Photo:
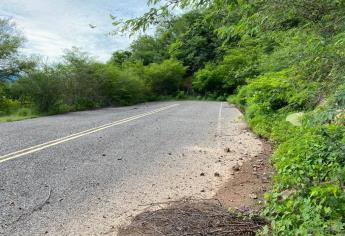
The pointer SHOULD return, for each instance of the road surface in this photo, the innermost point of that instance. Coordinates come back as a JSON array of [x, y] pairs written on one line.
[[84, 173]]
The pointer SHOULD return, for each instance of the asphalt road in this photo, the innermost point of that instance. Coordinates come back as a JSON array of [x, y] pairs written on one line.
[[76, 173]]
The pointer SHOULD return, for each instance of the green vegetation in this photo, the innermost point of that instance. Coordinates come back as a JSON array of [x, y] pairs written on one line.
[[281, 62]]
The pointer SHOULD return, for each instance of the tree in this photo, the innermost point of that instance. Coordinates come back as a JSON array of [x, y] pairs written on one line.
[[120, 57], [148, 50], [197, 44], [81, 86], [11, 62]]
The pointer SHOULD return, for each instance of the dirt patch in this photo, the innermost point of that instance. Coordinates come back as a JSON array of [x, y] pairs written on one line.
[[192, 218], [243, 192], [249, 182]]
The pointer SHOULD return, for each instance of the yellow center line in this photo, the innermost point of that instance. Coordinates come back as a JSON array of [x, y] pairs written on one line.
[[45, 145]]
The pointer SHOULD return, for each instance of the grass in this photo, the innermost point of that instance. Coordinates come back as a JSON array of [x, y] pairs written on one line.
[[20, 114]]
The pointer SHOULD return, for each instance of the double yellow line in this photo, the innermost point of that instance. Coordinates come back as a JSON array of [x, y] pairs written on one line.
[[36, 148]]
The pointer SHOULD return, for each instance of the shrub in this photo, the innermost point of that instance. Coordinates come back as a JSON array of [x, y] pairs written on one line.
[[41, 88], [308, 197], [165, 78], [226, 76]]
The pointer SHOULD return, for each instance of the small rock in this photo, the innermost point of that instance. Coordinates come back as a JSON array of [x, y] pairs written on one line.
[[103, 155], [169, 153], [202, 174], [227, 149], [253, 196], [119, 159], [236, 167], [216, 174], [202, 190]]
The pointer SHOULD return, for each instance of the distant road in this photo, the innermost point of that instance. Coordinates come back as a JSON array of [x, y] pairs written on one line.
[[79, 173]]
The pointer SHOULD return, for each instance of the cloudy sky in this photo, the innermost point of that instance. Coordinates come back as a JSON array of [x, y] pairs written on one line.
[[50, 26]]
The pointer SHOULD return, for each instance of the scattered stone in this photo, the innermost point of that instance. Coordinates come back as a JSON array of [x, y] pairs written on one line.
[[216, 174], [202, 174], [169, 153], [119, 159], [236, 167], [103, 155], [202, 190], [227, 149], [253, 196]]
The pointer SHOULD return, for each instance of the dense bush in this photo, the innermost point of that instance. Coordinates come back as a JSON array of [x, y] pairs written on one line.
[[165, 78], [41, 88], [226, 76], [81, 83]]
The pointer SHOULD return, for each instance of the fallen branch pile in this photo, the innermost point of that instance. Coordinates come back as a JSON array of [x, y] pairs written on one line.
[[192, 218]]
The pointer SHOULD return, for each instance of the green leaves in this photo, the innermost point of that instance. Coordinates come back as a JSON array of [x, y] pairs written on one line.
[[165, 78]]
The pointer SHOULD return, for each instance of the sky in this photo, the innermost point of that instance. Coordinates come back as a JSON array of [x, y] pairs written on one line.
[[51, 26]]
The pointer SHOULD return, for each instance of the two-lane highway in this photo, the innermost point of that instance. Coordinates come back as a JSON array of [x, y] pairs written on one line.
[[82, 173]]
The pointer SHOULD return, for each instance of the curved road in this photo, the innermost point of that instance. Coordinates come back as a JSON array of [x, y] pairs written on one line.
[[79, 173]]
